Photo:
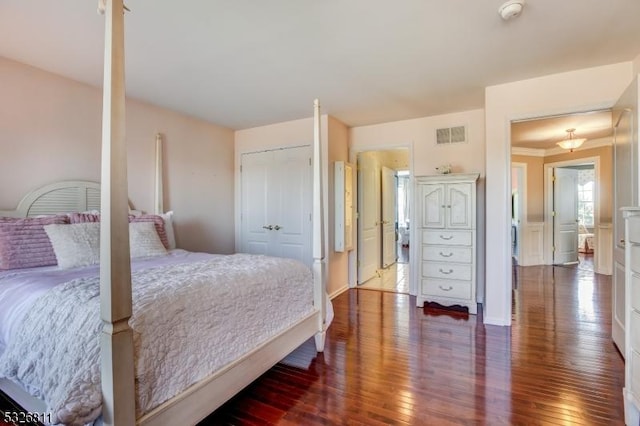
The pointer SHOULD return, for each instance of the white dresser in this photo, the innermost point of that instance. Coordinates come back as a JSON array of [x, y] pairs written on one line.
[[446, 216], [632, 316]]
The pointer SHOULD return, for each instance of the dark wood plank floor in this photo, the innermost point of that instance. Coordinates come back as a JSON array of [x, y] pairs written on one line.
[[388, 362]]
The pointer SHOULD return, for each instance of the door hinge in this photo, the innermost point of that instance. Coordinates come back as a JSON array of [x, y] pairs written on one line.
[[553, 248], [357, 215], [553, 214], [553, 178]]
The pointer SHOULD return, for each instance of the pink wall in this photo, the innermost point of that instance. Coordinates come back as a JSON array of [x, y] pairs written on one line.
[[50, 129]]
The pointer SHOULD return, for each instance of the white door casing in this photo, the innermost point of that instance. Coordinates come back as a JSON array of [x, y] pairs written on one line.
[[519, 206], [368, 218], [276, 203], [565, 219], [389, 206]]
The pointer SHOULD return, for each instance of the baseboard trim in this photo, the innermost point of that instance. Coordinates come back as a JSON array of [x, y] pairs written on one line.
[[338, 292]]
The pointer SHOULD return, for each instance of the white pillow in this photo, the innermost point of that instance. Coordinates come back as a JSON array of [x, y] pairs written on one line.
[[168, 229], [75, 245], [144, 240]]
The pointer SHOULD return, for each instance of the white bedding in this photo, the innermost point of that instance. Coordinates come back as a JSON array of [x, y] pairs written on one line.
[[193, 313]]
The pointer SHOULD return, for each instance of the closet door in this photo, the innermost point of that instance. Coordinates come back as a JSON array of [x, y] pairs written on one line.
[[292, 204], [276, 203], [258, 183]]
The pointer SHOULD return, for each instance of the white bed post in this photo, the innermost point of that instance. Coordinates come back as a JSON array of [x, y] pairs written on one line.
[[159, 190], [117, 365], [319, 281]]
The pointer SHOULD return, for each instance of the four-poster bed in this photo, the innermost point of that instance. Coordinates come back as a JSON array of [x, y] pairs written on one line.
[[119, 342]]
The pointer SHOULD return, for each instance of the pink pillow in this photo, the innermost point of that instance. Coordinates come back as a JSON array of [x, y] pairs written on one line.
[[157, 221], [24, 242], [84, 217]]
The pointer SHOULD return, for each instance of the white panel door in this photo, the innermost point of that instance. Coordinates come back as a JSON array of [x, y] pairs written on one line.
[[257, 182], [368, 219], [292, 223], [565, 219], [389, 208], [276, 203]]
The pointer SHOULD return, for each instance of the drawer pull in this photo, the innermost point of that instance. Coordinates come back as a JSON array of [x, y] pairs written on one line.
[[446, 272], [446, 255], [446, 238], [445, 289]]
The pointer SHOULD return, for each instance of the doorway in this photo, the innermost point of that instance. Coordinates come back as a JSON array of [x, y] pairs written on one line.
[[572, 212], [534, 145], [383, 220]]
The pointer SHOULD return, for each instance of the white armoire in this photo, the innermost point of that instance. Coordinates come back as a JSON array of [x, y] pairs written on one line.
[[632, 315], [446, 245], [626, 242]]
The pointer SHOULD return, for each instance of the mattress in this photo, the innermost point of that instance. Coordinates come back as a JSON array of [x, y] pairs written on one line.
[[193, 313]]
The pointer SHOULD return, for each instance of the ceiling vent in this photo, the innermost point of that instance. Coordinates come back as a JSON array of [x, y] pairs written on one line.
[[449, 135]]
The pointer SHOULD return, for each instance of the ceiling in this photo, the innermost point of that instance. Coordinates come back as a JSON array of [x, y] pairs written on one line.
[[245, 63], [544, 133]]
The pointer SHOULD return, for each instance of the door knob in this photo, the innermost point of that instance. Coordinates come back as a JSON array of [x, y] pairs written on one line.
[[277, 227], [268, 227]]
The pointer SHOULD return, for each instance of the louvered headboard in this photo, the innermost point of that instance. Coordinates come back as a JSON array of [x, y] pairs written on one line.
[[60, 197]]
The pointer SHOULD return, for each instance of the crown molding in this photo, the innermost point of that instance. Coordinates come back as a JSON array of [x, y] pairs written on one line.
[[528, 152], [532, 152]]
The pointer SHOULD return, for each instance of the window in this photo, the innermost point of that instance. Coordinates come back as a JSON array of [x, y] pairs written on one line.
[[403, 199], [585, 203]]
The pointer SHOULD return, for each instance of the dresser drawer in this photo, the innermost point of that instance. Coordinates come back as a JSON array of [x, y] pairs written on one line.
[[635, 373], [450, 289], [449, 271], [635, 292], [447, 254], [635, 330], [444, 237]]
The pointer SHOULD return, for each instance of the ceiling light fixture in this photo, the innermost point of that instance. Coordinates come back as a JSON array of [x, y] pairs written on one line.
[[571, 143], [511, 9]]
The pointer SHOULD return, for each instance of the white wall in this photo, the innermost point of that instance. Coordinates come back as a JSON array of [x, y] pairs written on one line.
[[419, 135], [50, 129], [582, 90]]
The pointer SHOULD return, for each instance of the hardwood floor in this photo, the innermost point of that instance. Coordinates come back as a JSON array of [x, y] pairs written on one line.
[[388, 362], [395, 278]]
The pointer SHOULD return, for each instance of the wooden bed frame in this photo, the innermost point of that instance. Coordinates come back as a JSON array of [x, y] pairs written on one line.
[[117, 360]]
